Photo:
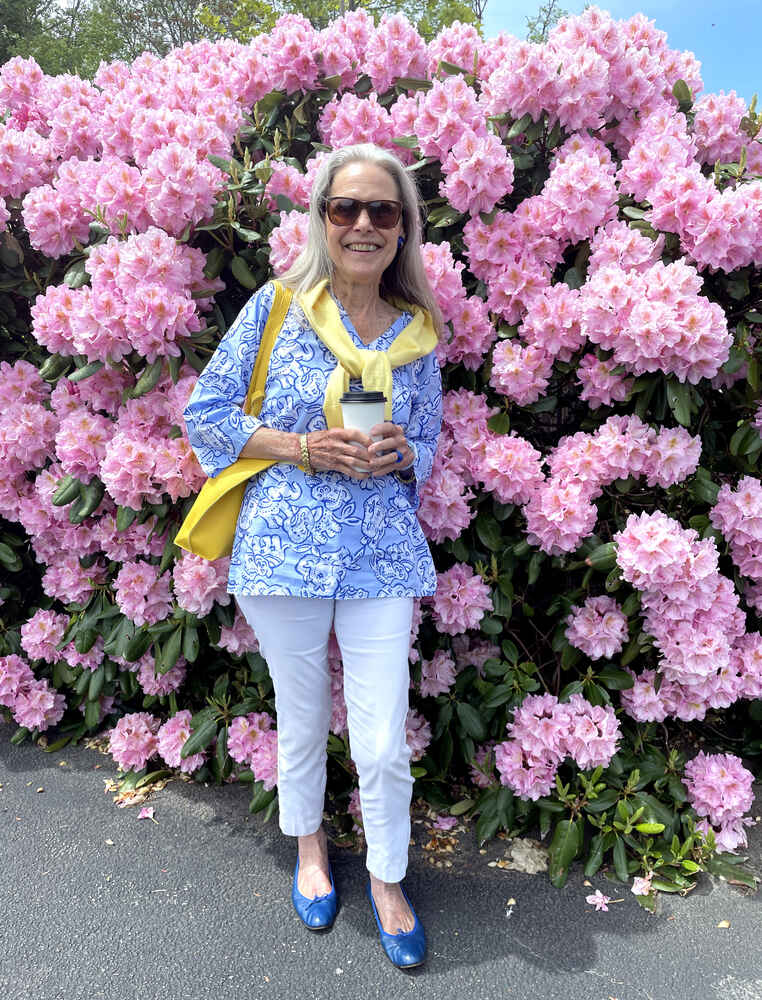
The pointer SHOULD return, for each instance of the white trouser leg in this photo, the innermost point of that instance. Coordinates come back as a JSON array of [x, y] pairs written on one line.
[[374, 638], [293, 636]]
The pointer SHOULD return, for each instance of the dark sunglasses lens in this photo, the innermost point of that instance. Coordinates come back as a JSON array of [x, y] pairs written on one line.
[[343, 211], [384, 214]]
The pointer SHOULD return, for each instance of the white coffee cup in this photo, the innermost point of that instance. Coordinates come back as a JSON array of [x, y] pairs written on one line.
[[362, 410]]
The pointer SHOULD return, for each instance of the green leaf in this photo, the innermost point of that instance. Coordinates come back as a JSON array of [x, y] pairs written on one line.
[[500, 423], [200, 738], [412, 83], [85, 371], [595, 855], [76, 276], [138, 645], [603, 557], [459, 808], [620, 860], [682, 94], [607, 798], [471, 720], [615, 680], [519, 126], [260, 798], [242, 273], [488, 532], [491, 626], [651, 828], [720, 864], [679, 401], [564, 848], [191, 644], [124, 517]]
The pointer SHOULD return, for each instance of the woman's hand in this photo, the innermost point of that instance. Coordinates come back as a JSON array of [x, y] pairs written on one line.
[[340, 449], [383, 452]]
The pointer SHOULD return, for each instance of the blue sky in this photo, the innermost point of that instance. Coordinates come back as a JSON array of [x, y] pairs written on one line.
[[724, 37]]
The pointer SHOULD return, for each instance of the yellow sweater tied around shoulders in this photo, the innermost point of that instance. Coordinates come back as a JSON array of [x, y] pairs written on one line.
[[416, 340]]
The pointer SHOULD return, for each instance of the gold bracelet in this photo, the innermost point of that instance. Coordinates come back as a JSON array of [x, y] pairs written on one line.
[[305, 455]]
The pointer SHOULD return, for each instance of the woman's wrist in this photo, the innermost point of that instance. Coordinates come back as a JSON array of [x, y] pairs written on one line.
[[304, 455], [407, 472]]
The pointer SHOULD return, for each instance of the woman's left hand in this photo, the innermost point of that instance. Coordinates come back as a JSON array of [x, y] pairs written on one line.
[[383, 453]]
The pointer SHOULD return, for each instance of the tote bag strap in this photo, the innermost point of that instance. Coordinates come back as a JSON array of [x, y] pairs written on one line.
[[280, 306]]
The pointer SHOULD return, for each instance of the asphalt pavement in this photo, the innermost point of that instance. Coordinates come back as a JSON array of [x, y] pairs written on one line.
[[195, 904]]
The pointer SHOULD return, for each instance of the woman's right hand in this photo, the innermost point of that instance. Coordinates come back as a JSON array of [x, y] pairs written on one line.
[[340, 449]]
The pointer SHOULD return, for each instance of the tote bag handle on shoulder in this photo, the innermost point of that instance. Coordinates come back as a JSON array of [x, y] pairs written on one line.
[[209, 528]]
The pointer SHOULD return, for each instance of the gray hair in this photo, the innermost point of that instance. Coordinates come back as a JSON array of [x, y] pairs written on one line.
[[406, 276]]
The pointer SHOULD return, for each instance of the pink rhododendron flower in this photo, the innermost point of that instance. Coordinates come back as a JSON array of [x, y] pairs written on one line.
[[170, 739], [152, 682], [142, 594], [418, 734], [720, 789], [199, 583], [437, 674], [244, 734], [41, 635], [264, 759], [598, 900], [133, 740], [240, 638], [461, 600], [598, 628]]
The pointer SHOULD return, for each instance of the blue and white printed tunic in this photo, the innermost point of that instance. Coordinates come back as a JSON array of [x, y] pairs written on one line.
[[324, 535]]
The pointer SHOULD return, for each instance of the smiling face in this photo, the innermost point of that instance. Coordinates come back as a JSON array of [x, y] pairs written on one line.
[[361, 252]]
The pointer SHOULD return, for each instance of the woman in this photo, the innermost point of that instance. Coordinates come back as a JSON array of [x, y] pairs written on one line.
[[327, 536]]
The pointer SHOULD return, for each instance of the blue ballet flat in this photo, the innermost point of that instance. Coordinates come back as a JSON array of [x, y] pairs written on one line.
[[406, 949], [318, 913]]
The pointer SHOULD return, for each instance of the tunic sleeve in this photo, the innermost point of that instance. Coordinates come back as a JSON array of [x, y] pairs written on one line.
[[425, 421], [217, 426]]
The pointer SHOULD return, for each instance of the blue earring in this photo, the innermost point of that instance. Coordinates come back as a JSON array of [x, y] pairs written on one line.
[[400, 242]]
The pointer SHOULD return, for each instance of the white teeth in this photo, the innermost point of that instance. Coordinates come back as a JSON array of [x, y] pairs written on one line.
[[361, 246]]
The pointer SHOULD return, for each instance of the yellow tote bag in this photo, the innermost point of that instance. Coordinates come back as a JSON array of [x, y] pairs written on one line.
[[209, 528]]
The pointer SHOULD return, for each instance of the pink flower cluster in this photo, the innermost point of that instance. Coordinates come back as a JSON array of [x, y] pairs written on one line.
[[134, 740], [200, 583], [444, 510], [601, 385], [447, 112], [598, 628], [461, 600], [478, 173], [395, 49], [240, 638], [171, 737], [472, 330], [140, 299], [33, 703], [561, 512], [720, 789], [253, 741], [738, 515], [656, 320], [437, 674], [544, 732], [417, 734], [693, 613], [142, 594]]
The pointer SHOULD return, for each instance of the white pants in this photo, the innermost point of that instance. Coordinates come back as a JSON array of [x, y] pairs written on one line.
[[374, 638]]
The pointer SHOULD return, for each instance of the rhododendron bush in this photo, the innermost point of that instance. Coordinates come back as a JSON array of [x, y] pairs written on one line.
[[594, 239]]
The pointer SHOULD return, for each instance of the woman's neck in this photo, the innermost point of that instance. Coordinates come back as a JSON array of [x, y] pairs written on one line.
[[360, 300]]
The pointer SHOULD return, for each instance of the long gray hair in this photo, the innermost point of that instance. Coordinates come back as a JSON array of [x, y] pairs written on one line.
[[405, 277]]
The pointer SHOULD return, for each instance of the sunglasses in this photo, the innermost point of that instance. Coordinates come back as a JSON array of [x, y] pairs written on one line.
[[346, 211]]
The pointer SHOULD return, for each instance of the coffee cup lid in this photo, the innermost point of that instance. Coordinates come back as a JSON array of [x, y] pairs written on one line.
[[363, 397]]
